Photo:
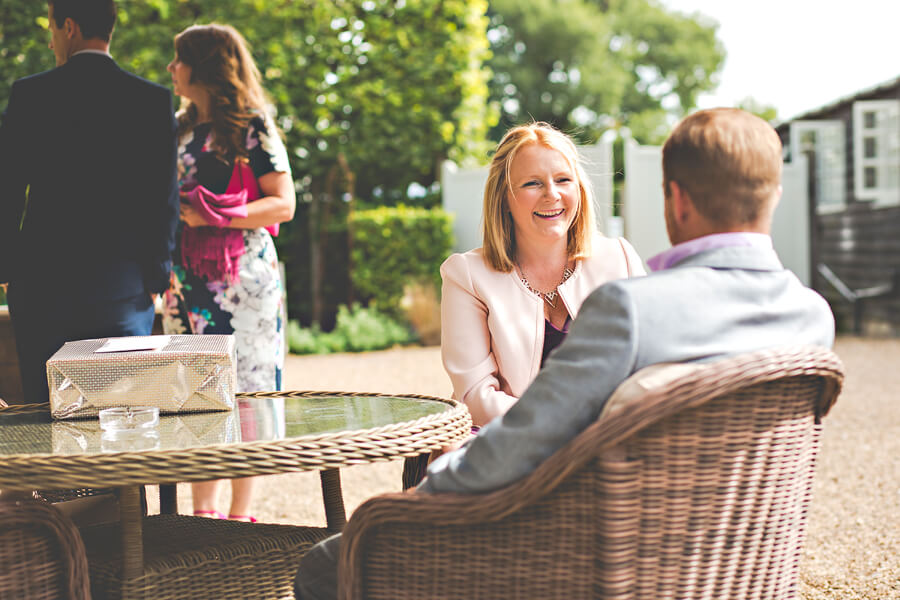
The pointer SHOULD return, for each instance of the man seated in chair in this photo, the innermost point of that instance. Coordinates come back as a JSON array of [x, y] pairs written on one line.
[[719, 290]]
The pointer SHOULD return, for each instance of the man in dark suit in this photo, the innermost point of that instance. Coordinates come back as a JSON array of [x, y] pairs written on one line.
[[88, 194]]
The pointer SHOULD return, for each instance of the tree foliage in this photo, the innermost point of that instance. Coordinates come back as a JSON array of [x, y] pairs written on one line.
[[394, 86], [760, 109], [591, 65], [372, 95]]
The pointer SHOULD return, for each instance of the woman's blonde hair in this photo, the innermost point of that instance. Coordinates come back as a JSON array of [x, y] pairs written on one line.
[[499, 244], [221, 63]]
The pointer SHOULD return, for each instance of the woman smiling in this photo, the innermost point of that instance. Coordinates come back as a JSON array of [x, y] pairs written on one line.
[[507, 305]]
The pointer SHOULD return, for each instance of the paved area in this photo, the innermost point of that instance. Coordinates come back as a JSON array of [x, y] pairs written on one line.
[[853, 547]]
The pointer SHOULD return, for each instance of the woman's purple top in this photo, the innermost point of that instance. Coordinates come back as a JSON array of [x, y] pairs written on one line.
[[553, 337]]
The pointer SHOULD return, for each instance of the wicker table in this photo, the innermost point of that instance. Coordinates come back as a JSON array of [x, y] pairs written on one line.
[[321, 431]]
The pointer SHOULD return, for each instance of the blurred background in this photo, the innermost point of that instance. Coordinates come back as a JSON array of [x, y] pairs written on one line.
[[390, 108]]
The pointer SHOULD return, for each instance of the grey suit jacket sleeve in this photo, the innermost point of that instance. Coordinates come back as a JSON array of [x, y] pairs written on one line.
[[566, 397]]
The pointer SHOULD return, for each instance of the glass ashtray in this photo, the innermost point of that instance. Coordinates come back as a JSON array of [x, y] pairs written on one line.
[[129, 442], [129, 419]]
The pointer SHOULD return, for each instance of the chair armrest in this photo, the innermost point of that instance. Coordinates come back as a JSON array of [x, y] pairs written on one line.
[[41, 552]]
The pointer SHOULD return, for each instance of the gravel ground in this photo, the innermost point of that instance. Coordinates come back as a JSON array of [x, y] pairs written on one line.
[[853, 545]]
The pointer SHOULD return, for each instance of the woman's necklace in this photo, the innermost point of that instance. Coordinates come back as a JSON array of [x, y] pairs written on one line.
[[549, 297]]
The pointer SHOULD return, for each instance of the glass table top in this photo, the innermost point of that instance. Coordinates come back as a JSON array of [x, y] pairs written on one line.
[[253, 420]]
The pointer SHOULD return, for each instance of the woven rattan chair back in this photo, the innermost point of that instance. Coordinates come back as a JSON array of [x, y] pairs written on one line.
[[698, 490], [42, 556]]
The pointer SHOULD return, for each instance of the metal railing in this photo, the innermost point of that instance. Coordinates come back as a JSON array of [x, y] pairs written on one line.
[[856, 297]]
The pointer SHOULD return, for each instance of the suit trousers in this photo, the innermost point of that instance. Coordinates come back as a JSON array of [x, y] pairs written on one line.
[[43, 321], [317, 577]]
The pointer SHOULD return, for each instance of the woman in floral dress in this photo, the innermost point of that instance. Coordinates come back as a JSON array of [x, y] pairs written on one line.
[[226, 278]]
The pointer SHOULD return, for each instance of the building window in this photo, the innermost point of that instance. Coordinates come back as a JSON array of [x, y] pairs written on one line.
[[869, 146], [869, 119], [825, 141], [876, 151], [871, 178]]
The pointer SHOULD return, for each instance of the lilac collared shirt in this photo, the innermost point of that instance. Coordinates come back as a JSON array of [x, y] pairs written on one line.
[[676, 254]]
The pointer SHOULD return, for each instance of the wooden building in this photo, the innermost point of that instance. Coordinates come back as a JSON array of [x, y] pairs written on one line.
[[853, 151]]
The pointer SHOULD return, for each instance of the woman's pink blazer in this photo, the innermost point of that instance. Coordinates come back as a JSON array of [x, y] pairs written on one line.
[[492, 327]]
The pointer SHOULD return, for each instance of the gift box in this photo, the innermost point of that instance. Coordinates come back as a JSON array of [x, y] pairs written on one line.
[[177, 373]]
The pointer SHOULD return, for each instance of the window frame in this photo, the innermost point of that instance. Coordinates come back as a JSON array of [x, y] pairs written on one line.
[[818, 126], [880, 194]]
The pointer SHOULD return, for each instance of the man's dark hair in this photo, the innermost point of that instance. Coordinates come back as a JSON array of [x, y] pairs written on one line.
[[96, 18]]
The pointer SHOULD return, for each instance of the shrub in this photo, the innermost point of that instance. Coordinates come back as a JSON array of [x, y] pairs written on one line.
[[393, 246], [357, 329], [422, 310]]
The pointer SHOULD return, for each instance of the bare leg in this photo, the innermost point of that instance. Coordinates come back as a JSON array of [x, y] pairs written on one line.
[[204, 495], [242, 496]]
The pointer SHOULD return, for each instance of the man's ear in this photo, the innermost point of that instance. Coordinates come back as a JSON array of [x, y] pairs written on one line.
[[71, 27], [682, 206]]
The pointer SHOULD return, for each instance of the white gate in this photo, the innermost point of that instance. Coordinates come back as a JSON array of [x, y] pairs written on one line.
[[462, 193], [645, 225], [790, 227]]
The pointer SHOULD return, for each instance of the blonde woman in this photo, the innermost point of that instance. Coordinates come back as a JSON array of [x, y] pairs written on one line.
[[507, 305]]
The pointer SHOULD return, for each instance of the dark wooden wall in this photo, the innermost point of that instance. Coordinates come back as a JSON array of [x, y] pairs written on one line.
[[860, 244]]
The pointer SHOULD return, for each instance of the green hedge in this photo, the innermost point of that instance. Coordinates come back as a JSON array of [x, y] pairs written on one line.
[[357, 329], [393, 246]]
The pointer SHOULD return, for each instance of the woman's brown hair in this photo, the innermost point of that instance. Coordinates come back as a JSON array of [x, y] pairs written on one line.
[[221, 63]]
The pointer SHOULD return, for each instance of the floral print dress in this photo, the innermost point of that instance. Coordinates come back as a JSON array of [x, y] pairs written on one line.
[[252, 307]]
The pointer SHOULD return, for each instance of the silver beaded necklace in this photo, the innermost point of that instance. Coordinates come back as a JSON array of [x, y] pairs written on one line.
[[549, 297]]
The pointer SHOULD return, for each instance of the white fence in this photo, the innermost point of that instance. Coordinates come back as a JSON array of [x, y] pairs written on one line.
[[645, 225], [642, 201], [790, 227]]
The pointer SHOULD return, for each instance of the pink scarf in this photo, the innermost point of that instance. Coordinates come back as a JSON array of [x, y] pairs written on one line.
[[214, 252]]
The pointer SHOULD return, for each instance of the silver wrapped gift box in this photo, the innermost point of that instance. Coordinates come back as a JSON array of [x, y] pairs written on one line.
[[183, 373]]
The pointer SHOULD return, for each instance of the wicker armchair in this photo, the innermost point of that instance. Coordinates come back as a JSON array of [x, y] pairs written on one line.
[[41, 553], [699, 489]]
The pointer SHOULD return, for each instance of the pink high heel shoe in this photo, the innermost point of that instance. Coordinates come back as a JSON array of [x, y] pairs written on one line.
[[242, 518], [209, 514]]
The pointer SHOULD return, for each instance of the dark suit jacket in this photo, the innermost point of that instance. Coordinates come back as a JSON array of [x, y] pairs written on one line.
[[87, 167]]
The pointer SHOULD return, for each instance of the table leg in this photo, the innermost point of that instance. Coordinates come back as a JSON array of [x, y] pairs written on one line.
[[335, 515], [168, 499], [131, 516]]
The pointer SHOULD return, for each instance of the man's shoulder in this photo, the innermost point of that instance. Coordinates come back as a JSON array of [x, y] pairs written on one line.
[[693, 283], [143, 85], [34, 81], [57, 76], [651, 283]]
